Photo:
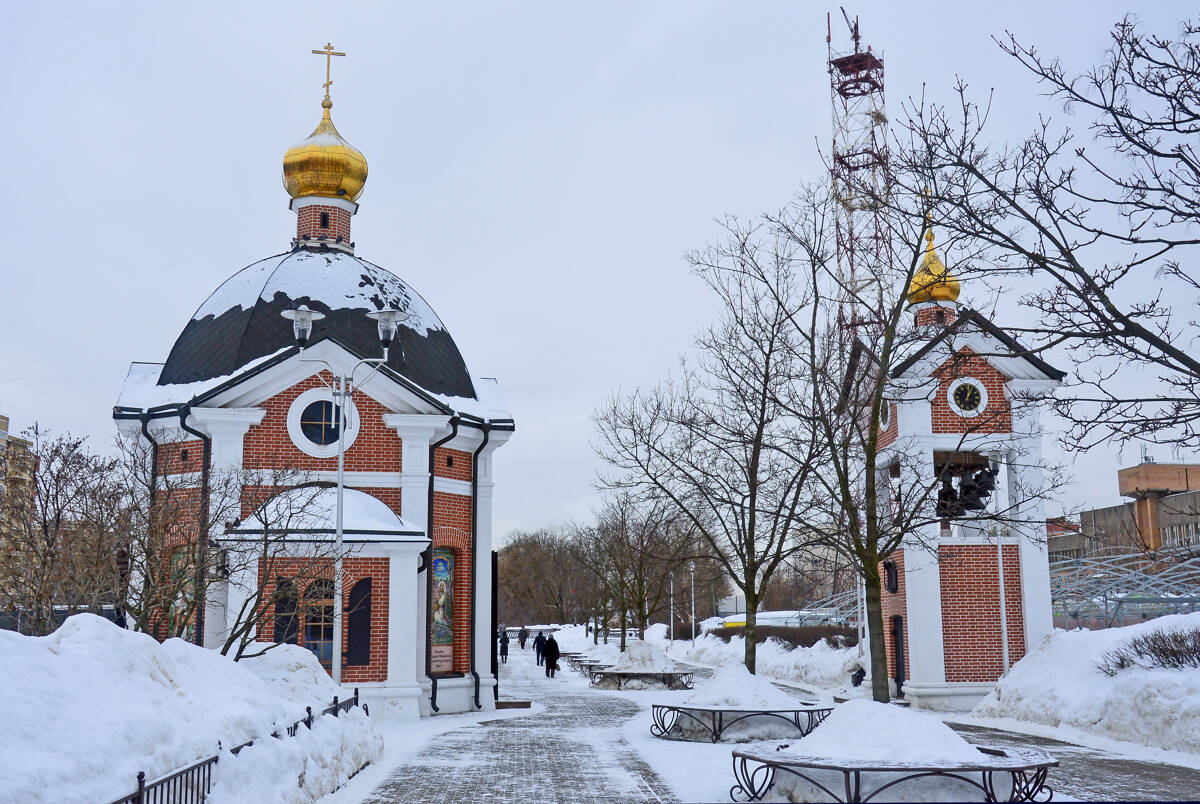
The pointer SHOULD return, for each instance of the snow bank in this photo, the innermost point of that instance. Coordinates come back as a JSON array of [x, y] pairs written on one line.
[[300, 769], [642, 657], [819, 666], [122, 702], [734, 687], [1058, 684]]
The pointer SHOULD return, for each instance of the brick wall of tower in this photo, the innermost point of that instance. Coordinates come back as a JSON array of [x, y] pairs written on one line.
[[888, 435], [894, 604], [308, 222], [180, 457], [268, 445], [995, 418], [971, 610], [353, 570], [928, 316]]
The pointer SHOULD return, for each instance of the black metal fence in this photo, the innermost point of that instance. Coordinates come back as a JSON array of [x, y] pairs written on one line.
[[191, 785]]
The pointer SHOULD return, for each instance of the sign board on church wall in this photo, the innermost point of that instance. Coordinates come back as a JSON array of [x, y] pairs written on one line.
[[442, 643]]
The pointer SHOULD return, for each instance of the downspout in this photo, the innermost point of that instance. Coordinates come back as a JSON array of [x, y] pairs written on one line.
[[495, 624], [428, 559], [487, 431], [200, 590]]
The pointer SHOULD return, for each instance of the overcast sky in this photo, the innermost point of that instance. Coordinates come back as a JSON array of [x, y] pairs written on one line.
[[537, 171]]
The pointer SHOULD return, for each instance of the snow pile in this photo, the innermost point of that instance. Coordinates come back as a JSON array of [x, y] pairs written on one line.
[[300, 769], [876, 732], [866, 731], [642, 657], [604, 653], [122, 702], [734, 687], [820, 666], [1058, 684]]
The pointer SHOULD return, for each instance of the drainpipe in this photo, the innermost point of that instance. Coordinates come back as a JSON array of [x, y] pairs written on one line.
[[487, 430], [428, 559], [495, 624], [200, 590]]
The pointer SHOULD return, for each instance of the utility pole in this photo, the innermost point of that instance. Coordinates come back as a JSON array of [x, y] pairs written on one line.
[[692, 570]]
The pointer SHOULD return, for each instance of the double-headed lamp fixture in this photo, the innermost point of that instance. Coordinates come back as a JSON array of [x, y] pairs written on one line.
[[302, 320]]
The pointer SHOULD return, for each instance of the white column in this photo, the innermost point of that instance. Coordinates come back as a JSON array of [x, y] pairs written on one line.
[[402, 693], [1026, 482], [483, 569], [416, 432], [922, 573], [227, 428]]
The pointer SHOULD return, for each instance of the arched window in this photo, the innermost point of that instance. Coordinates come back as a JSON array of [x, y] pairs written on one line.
[[891, 580], [324, 220], [318, 620], [286, 627], [358, 617]]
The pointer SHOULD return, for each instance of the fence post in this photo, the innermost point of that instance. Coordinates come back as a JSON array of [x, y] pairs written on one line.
[[335, 706], [355, 697], [141, 791], [308, 720]]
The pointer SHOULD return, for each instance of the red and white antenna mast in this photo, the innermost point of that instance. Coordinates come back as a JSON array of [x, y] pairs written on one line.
[[859, 172]]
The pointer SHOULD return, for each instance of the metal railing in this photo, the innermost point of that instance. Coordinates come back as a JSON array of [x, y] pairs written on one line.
[[192, 784]]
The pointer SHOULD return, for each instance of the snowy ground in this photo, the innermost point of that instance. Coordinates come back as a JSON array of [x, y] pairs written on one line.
[[584, 745], [84, 709]]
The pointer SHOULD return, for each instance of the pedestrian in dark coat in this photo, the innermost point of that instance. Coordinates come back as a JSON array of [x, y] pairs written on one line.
[[539, 643], [522, 635], [504, 647], [550, 654]]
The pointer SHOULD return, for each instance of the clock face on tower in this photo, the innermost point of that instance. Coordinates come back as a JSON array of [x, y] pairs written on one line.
[[967, 396]]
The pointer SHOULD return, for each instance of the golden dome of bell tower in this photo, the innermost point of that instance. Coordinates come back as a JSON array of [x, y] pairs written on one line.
[[933, 280], [325, 176]]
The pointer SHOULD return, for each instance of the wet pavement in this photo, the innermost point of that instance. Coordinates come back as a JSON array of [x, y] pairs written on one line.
[[574, 751]]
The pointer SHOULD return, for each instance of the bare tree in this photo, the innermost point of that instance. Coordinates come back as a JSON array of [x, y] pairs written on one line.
[[62, 529], [718, 443], [1104, 220]]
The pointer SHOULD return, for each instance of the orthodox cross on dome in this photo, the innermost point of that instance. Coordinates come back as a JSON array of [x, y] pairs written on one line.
[[328, 52]]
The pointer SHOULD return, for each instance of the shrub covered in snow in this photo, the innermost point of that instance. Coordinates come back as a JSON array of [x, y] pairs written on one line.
[[820, 665], [642, 657], [732, 686], [1174, 649], [124, 703], [1060, 683]]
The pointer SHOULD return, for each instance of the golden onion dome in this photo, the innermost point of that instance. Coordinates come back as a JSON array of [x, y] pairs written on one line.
[[324, 164], [932, 281]]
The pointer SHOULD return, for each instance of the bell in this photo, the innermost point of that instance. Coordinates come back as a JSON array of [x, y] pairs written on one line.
[[985, 481]]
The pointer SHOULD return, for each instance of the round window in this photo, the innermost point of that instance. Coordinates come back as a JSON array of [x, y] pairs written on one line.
[[319, 422], [967, 397]]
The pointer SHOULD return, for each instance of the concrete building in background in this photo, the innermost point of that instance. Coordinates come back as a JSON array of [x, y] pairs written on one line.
[[1164, 514]]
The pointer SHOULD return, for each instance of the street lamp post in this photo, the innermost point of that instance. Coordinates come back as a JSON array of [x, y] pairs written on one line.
[[692, 570], [671, 616], [342, 388]]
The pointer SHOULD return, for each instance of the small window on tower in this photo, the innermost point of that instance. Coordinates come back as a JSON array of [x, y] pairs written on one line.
[[324, 220], [449, 460], [940, 316], [183, 456]]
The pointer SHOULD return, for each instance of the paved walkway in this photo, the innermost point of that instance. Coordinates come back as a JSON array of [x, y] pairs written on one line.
[[574, 752], [571, 752]]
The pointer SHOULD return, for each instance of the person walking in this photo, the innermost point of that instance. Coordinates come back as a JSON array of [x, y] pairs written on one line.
[[522, 635], [503, 647], [550, 654], [539, 643]]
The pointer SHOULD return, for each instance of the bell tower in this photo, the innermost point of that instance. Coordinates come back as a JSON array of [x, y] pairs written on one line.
[[967, 596]]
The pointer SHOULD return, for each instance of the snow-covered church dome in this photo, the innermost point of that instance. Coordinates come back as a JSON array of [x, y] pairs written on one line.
[[242, 320]]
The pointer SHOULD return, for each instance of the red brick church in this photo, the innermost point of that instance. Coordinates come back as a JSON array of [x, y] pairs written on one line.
[[243, 388]]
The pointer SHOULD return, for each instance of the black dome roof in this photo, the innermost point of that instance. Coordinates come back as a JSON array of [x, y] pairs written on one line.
[[241, 321]]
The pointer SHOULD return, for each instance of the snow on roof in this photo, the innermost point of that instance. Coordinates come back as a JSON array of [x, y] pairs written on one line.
[[308, 509], [338, 279], [141, 389], [489, 405]]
